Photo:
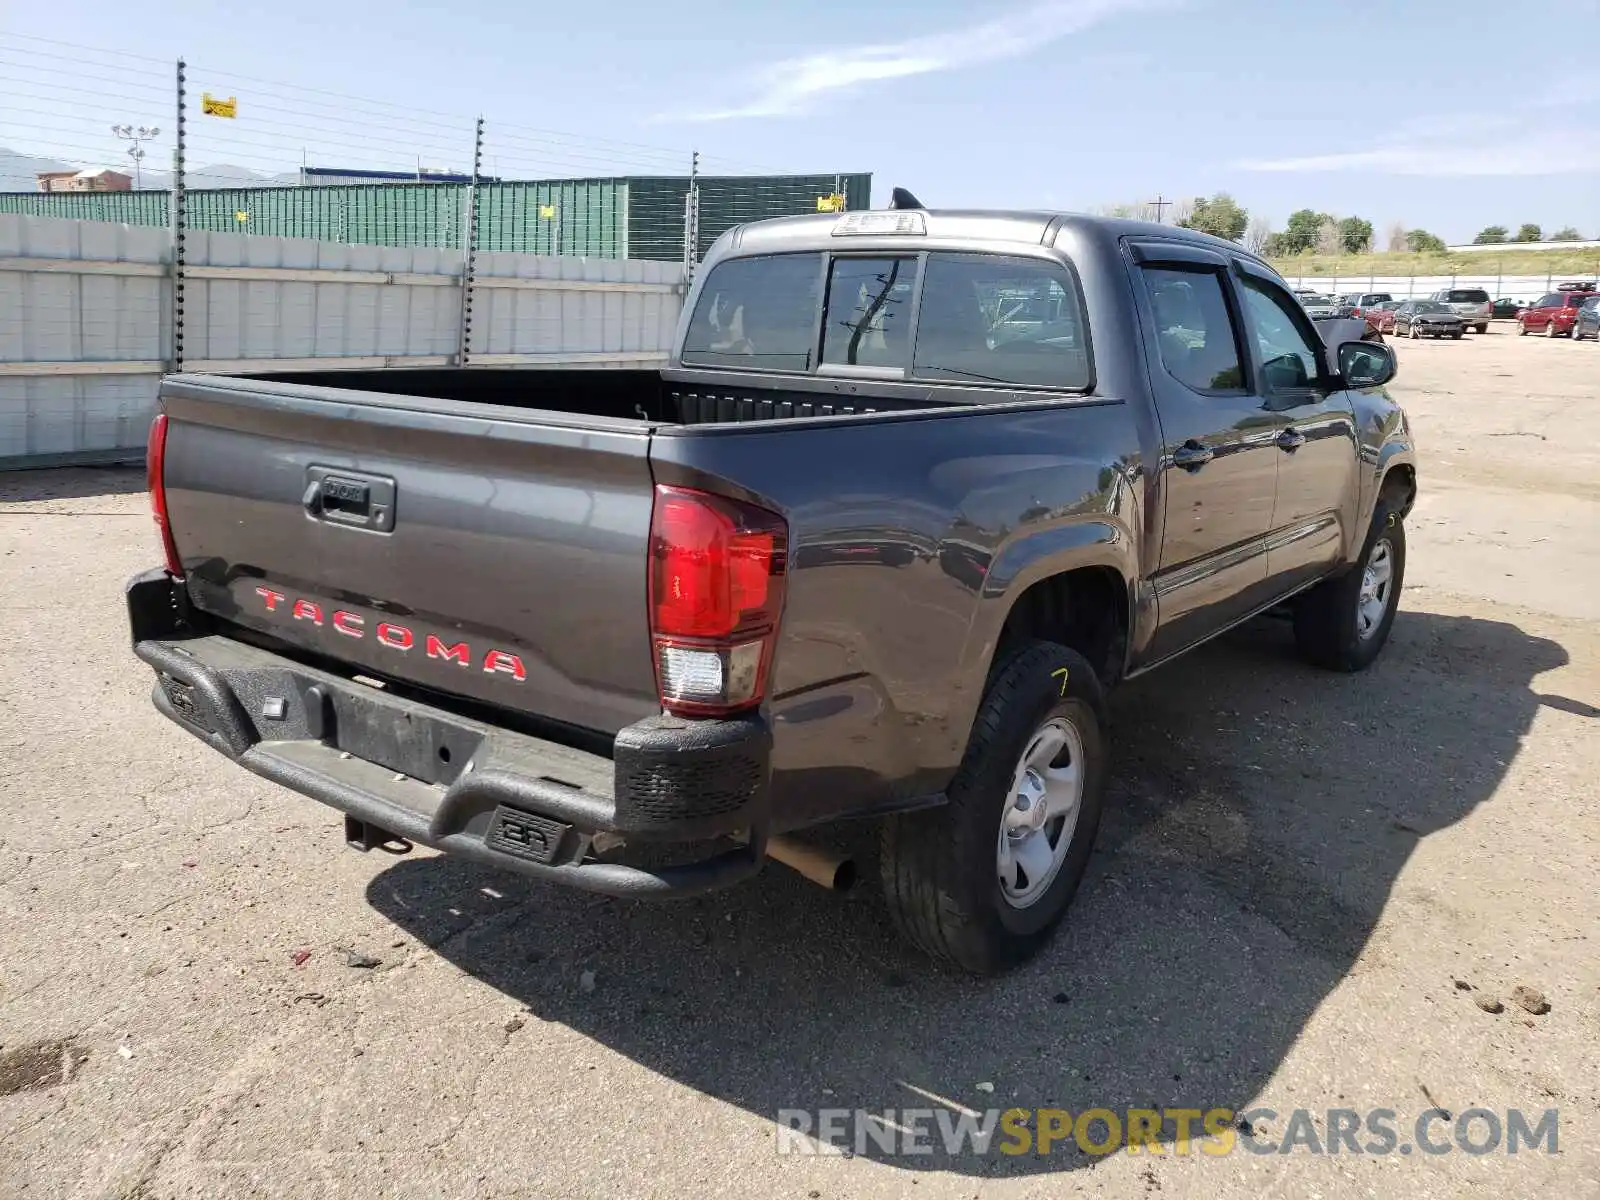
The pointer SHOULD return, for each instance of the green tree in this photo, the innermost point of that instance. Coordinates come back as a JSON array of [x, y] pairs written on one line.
[[1569, 234], [1301, 232], [1219, 216], [1491, 235], [1420, 241], [1355, 235], [1529, 233]]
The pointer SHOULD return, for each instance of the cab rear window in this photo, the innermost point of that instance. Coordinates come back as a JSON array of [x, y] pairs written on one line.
[[758, 313], [979, 318]]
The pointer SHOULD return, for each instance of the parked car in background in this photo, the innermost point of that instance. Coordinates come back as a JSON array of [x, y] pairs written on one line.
[[1579, 285], [1356, 304], [1381, 316], [1319, 306], [1428, 318], [1506, 308], [1553, 314], [1587, 324], [1472, 304]]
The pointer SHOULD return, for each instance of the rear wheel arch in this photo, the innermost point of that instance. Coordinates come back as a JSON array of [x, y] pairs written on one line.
[[1087, 609]]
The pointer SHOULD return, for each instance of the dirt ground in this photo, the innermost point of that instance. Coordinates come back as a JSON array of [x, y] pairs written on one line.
[[1304, 887]]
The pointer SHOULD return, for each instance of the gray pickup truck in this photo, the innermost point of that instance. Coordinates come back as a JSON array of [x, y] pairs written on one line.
[[917, 489]]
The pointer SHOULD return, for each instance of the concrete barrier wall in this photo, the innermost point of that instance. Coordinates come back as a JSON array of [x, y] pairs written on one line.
[[85, 319]]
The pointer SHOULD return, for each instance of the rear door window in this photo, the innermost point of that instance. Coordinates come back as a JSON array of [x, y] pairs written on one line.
[[985, 318], [868, 318], [758, 313], [1194, 333]]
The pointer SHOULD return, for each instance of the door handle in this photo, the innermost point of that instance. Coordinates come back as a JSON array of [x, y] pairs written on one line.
[[1191, 456], [1291, 440]]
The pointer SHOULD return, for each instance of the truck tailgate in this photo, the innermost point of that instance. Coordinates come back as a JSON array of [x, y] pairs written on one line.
[[498, 554]]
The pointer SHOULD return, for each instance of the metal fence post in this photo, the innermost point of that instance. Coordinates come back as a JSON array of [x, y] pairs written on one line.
[[469, 250], [691, 220], [177, 216]]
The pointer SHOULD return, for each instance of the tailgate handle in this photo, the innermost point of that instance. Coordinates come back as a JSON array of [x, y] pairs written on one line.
[[352, 498]]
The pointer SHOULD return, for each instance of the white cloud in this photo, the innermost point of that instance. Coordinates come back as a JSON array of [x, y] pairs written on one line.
[[797, 85], [1514, 144]]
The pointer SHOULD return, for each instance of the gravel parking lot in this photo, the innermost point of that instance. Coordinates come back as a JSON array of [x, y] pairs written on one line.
[[1305, 887]]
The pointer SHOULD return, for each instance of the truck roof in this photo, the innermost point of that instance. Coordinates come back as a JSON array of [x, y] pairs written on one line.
[[1025, 227]]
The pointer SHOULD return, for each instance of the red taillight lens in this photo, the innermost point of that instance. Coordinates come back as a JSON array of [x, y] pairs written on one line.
[[717, 573], [155, 471]]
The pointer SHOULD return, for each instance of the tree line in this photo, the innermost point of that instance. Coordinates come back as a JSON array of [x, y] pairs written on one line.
[[1493, 235], [1309, 231]]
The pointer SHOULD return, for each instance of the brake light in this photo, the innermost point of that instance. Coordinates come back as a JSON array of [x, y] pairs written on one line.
[[155, 471], [717, 574]]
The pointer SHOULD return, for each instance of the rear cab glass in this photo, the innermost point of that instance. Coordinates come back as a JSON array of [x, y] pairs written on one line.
[[940, 316]]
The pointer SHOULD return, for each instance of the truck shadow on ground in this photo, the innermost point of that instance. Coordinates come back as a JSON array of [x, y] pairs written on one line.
[[1260, 815]]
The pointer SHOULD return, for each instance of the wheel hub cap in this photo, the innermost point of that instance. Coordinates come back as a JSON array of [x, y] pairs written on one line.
[[1041, 812], [1376, 589]]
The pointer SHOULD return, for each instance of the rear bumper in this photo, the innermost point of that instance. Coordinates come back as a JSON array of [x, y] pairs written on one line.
[[398, 766]]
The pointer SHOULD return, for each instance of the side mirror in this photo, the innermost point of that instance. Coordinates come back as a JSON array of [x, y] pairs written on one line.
[[1366, 364]]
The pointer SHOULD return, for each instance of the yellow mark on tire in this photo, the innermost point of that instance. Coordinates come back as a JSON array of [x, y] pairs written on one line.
[[1060, 673]]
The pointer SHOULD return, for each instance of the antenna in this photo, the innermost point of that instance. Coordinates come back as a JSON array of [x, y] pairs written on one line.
[[900, 198]]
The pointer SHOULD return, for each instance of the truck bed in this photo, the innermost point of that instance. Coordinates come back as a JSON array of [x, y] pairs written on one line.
[[652, 396]]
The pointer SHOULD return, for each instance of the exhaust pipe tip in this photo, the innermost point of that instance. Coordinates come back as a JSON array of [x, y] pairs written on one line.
[[836, 872]]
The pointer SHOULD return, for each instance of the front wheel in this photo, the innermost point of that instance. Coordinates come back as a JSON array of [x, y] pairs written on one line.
[[1343, 622], [982, 882], [1550, 330], [1522, 328]]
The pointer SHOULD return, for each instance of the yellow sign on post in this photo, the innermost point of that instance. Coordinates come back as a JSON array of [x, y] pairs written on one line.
[[241, 216], [833, 203], [547, 212], [216, 106]]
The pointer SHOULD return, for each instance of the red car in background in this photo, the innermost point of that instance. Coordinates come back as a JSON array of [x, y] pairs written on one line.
[[1381, 316], [1553, 314]]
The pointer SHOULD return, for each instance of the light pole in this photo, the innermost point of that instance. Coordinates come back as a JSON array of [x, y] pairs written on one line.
[[138, 135]]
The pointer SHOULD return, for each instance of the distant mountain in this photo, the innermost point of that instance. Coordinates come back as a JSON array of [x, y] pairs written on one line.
[[19, 172]]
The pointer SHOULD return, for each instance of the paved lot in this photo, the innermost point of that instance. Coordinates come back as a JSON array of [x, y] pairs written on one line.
[[1304, 885]]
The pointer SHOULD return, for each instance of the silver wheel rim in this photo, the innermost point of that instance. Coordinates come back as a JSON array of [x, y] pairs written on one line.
[[1377, 581], [1041, 812]]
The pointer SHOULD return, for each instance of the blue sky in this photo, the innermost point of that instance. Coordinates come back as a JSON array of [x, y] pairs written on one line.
[[1445, 115]]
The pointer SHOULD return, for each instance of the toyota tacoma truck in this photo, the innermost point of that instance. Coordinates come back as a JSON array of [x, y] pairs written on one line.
[[914, 492]]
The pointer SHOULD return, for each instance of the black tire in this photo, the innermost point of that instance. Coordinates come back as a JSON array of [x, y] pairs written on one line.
[[940, 878], [1480, 329], [1522, 329], [1325, 618], [1457, 334]]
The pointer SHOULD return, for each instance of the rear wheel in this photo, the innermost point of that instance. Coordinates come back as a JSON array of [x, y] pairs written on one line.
[[1456, 333], [982, 882], [1480, 328]]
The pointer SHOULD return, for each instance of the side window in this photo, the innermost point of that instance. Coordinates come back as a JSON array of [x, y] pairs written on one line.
[[992, 319], [1550, 301], [869, 311], [1194, 334], [1289, 361], [757, 313]]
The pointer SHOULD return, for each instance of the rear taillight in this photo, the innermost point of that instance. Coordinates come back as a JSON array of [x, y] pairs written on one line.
[[717, 574], [1355, 312], [155, 465]]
